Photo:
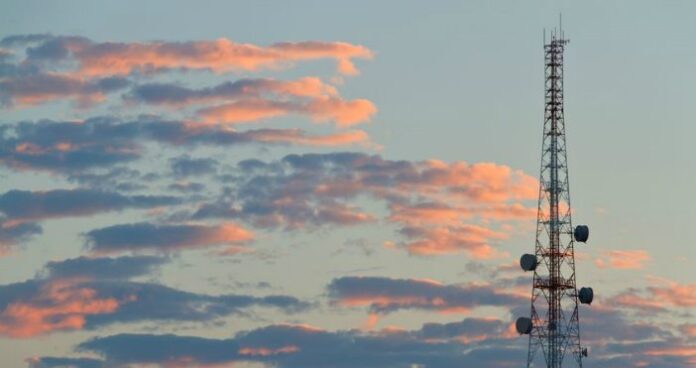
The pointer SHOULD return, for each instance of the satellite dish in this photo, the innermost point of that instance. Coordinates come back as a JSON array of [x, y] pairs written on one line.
[[581, 233], [586, 295], [528, 262], [523, 325]]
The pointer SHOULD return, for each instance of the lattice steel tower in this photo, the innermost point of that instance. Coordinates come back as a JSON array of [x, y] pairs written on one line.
[[554, 326]]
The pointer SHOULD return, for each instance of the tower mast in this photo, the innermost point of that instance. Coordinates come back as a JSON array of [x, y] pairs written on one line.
[[554, 326]]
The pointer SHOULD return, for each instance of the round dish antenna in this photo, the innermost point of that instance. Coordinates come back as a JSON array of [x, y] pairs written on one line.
[[523, 325], [581, 233], [586, 295], [528, 262]]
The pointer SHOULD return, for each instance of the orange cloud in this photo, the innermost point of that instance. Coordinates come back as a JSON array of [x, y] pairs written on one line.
[[242, 111], [60, 305], [440, 213], [452, 239], [676, 294], [221, 55], [659, 297], [481, 182], [623, 259], [344, 113], [262, 351], [371, 322], [689, 330], [297, 137], [683, 351], [229, 233]]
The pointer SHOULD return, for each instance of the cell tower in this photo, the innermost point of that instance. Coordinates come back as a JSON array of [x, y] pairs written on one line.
[[554, 326]]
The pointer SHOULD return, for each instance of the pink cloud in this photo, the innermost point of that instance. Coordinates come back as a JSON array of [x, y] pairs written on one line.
[[623, 259], [661, 296], [344, 113], [320, 109], [439, 240], [60, 305], [264, 351], [298, 137], [221, 55]]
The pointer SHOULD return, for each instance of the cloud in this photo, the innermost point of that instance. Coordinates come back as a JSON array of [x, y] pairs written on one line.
[[119, 179], [184, 166], [22, 209], [187, 187], [176, 95], [472, 342], [662, 296], [439, 208], [74, 295], [61, 147], [468, 343], [441, 240], [296, 346], [163, 238], [345, 113], [55, 362], [385, 295], [68, 146], [221, 55], [689, 330], [55, 306], [102, 268], [623, 259], [37, 205], [607, 323], [38, 88], [320, 109], [467, 330], [300, 138], [14, 40], [69, 67], [13, 233], [251, 100]]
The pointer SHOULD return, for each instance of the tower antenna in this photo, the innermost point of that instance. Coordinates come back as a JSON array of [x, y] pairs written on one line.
[[554, 324]]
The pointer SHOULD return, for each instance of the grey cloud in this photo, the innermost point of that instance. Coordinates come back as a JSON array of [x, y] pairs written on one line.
[[384, 295], [432, 346], [294, 346], [103, 268], [15, 40], [104, 286], [184, 165], [14, 233], [162, 238], [169, 93], [57, 362], [101, 142], [22, 204]]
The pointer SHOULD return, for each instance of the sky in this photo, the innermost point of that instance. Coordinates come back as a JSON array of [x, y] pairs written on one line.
[[335, 184]]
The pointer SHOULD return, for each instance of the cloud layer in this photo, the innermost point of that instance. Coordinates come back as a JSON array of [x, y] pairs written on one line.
[[86, 293]]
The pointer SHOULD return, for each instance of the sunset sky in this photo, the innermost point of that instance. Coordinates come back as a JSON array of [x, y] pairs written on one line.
[[315, 184]]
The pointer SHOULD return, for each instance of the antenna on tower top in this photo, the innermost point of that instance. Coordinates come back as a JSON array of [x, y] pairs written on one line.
[[560, 24]]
